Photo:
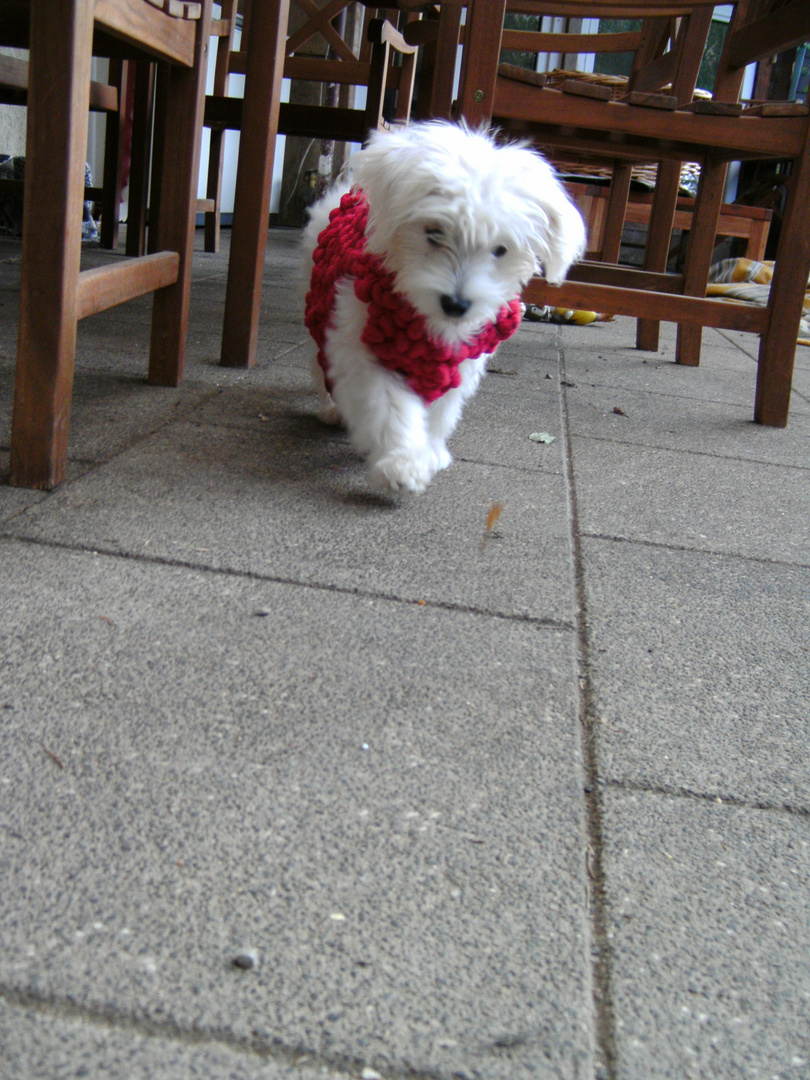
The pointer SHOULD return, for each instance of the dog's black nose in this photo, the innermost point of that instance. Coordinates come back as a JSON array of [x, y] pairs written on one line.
[[455, 306]]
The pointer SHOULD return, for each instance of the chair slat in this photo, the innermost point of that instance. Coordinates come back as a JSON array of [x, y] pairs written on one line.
[[104, 287]]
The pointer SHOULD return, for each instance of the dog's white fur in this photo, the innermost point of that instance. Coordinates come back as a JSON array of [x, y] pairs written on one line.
[[454, 215]]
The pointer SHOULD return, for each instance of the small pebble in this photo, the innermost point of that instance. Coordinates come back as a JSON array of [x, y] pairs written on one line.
[[246, 961]]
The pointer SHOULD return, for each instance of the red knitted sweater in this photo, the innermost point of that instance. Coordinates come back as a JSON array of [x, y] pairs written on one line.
[[395, 332]]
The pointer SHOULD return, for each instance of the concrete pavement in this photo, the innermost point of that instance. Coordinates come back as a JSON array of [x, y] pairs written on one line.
[[298, 781]]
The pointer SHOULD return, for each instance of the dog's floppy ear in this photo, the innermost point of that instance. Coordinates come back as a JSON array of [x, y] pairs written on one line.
[[564, 241], [556, 229]]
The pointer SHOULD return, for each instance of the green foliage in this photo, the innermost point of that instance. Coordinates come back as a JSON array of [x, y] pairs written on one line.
[[711, 56], [615, 63], [520, 22]]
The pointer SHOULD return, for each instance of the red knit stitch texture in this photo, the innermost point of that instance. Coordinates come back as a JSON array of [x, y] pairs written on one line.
[[395, 332]]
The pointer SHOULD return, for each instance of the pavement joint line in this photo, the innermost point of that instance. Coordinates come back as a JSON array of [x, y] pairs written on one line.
[[641, 541], [291, 347], [654, 392], [603, 1008], [267, 1049], [718, 798], [737, 344], [561, 625], [692, 453]]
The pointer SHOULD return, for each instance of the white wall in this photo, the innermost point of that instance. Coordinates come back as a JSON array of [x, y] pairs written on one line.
[[12, 119]]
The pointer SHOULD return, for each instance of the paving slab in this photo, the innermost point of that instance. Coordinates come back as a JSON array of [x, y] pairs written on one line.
[[605, 354], [379, 802], [40, 1045], [749, 343], [515, 400], [251, 709], [709, 939], [695, 500], [699, 672], [291, 500], [111, 411], [14, 501], [693, 426]]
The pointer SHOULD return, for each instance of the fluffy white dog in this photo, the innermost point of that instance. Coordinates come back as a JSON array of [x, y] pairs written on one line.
[[416, 271]]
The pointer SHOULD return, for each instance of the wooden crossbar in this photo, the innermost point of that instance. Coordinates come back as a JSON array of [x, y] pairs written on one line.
[[669, 307], [105, 286]]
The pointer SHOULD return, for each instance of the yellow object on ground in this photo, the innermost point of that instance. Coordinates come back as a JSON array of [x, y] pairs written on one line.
[[564, 315], [735, 279]]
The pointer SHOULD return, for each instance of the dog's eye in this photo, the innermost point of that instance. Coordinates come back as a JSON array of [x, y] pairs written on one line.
[[499, 251], [435, 237]]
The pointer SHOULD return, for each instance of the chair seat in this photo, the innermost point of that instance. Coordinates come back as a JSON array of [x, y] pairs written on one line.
[[637, 130]]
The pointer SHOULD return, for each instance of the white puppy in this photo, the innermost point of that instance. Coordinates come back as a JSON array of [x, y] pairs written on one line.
[[415, 276]]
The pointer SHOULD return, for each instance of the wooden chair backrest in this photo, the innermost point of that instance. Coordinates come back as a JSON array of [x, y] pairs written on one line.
[[320, 48], [666, 49]]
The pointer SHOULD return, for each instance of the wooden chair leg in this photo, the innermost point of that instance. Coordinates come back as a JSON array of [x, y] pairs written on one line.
[[702, 238], [777, 347], [476, 92], [265, 64], [446, 55], [114, 134], [56, 145], [757, 240], [616, 210], [185, 99], [438, 65], [659, 236], [214, 190], [380, 57], [405, 90], [142, 113], [156, 164]]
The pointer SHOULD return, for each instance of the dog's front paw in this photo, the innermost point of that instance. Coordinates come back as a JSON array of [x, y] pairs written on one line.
[[404, 470], [443, 456]]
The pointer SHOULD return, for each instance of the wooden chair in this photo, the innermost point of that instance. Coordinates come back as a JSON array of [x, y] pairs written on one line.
[[664, 58], [272, 47], [667, 52], [55, 293], [126, 100], [437, 29], [107, 98], [131, 136], [712, 133], [317, 52], [748, 223]]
